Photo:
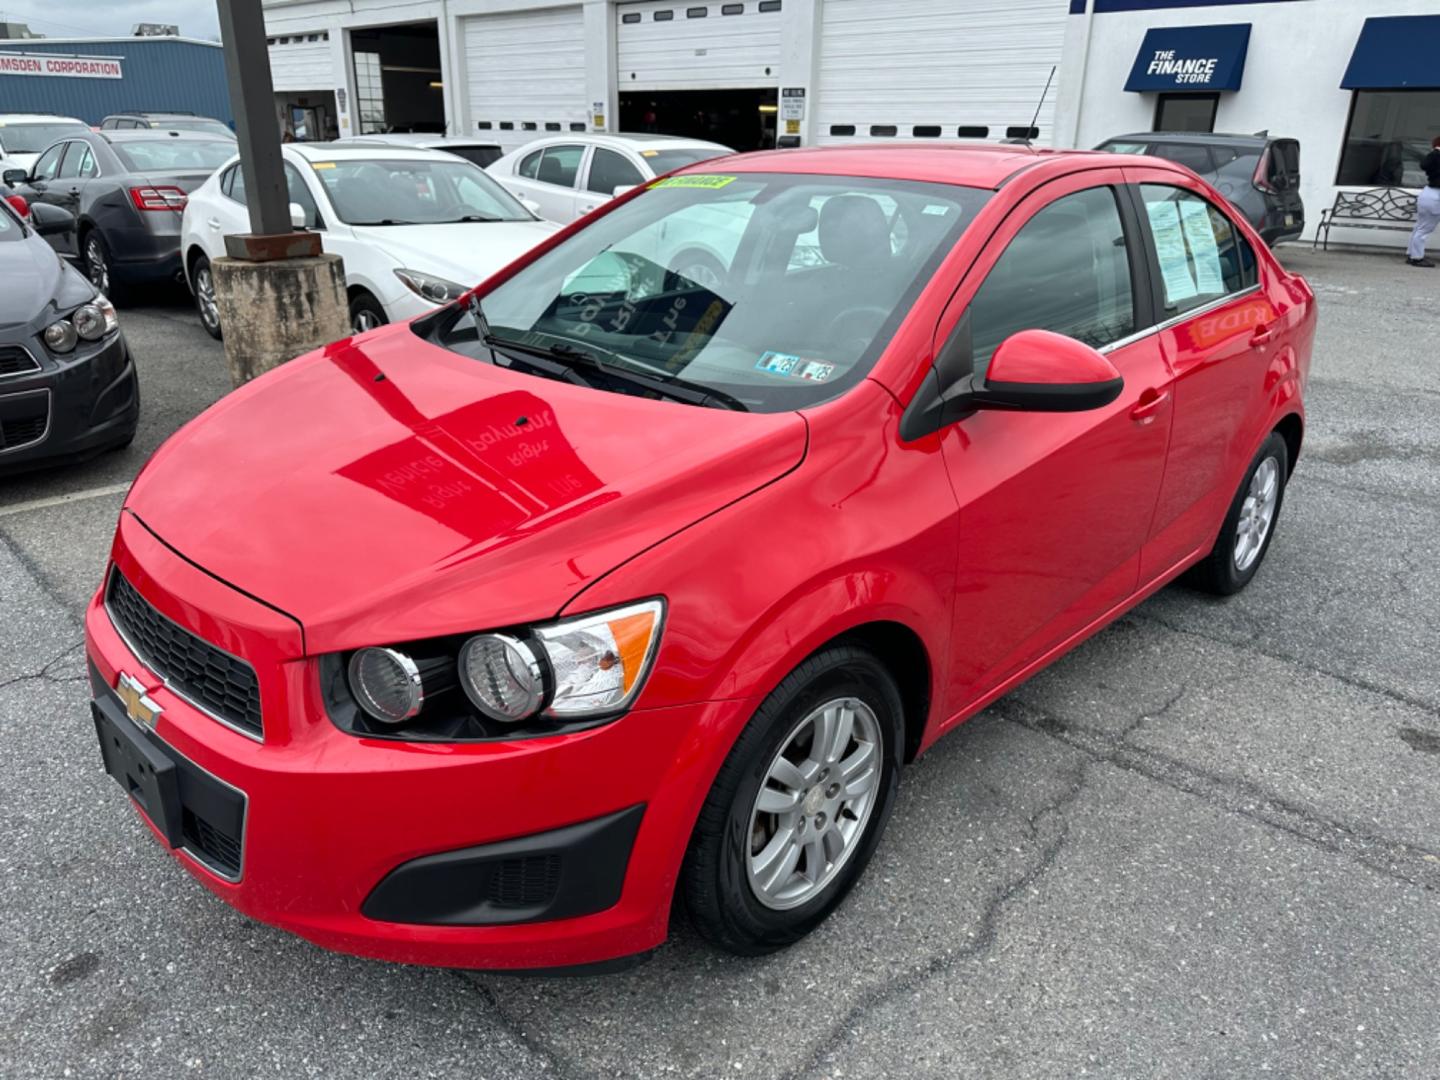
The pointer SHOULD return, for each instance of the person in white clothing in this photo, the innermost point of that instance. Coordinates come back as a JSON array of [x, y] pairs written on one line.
[[1427, 208]]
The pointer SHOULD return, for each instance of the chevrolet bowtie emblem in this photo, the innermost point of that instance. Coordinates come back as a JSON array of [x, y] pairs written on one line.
[[138, 705]]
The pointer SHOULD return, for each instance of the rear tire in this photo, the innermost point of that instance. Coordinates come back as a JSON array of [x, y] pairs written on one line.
[[1249, 525], [366, 313], [203, 282], [95, 257], [741, 894]]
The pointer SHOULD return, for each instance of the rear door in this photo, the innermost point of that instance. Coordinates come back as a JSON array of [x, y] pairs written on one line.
[[548, 175], [606, 172], [1219, 328], [1055, 507], [67, 191]]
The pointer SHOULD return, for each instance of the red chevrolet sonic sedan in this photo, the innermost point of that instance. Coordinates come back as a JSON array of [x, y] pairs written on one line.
[[643, 568]]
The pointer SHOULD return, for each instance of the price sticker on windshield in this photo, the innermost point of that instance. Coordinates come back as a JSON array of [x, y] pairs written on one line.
[[700, 181]]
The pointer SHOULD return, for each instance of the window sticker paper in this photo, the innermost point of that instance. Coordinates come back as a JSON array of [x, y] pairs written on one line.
[[777, 363], [702, 181], [1204, 255], [1170, 246]]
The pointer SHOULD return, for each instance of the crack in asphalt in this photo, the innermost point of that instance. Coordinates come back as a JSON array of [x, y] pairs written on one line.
[[1396, 859], [551, 1060], [982, 940], [45, 672]]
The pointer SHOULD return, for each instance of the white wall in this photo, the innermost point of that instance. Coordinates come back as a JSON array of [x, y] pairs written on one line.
[[1291, 86]]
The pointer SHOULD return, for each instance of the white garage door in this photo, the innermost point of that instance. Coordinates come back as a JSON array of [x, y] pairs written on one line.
[[674, 45], [302, 62], [930, 68], [526, 73]]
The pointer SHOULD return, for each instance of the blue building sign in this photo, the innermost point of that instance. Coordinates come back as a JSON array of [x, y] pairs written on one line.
[[1191, 58]]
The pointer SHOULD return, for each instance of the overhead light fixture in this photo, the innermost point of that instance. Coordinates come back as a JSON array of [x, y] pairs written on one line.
[[437, 86], [769, 108]]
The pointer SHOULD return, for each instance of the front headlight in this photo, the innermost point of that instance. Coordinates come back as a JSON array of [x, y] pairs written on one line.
[[60, 336], [429, 287], [95, 319], [600, 661]]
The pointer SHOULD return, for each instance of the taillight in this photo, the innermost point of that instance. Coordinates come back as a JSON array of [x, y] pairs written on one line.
[[1261, 179], [158, 198]]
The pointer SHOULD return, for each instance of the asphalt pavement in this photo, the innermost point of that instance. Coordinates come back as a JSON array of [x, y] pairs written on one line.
[[1207, 843]]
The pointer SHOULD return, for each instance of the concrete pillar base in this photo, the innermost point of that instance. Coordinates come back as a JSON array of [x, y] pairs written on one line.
[[274, 311]]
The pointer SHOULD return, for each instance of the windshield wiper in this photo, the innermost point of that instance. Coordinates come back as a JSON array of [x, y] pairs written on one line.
[[465, 218], [666, 386], [384, 221]]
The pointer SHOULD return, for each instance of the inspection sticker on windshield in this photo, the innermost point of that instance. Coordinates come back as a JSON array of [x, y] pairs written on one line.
[[701, 181], [816, 371], [777, 363]]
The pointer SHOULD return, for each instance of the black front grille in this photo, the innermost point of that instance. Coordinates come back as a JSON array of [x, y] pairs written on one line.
[[17, 433], [211, 678], [530, 881], [217, 847], [16, 361]]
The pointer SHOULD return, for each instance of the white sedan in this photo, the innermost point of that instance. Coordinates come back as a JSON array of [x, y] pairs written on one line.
[[416, 228]]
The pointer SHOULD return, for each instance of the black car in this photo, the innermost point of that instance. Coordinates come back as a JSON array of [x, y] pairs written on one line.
[[1259, 174], [127, 190], [167, 121], [67, 381]]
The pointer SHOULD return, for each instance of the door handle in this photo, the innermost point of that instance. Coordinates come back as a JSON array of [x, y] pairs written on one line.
[[1262, 335], [214, 223], [1149, 404]]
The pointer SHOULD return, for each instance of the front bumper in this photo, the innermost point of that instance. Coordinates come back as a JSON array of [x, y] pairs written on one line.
[[330, 816], [89, 401]]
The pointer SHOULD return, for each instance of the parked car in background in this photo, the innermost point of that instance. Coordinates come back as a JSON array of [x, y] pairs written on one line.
[[24, 135], [570, 175], [127, 190], [168, 121], [416, 228], [67, 382], [1259, 174], [569, 611], [481, 152]]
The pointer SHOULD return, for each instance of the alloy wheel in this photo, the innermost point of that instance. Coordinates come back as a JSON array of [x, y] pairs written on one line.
[[813, 805], [701, 274], [1257, 513], [96, 268], [364, 320], [205, 294]]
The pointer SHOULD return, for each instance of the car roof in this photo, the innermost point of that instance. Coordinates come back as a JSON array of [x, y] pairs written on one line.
[[339, 151], [150, 134], [1199, 138], [623, 140], [986, 165], [152, 115], [39, 118], [413, 138]]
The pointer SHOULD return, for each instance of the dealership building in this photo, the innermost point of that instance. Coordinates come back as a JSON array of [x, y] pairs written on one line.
[[89, 78], [1357, 83]]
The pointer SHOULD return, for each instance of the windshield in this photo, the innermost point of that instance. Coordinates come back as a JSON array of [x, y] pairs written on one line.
[[663, 161], [774, 291], [165, 154], [422, 192], [32, 138], [209, 127]]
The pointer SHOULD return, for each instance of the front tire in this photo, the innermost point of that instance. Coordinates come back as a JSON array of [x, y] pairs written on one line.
[[1249, 525], [366, 313], [799, 805]]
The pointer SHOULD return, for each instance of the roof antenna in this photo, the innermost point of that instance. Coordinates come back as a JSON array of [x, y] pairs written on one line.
[[1040, 105]]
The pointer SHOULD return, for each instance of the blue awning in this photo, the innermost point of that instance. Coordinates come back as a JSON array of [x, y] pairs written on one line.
[[1191, 58], [1394, 53]]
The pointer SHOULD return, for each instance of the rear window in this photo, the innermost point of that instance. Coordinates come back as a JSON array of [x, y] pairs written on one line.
[[664, 161], [1125, 147], [1195, 158], [174, 155], [1285, 158], [477, 155]]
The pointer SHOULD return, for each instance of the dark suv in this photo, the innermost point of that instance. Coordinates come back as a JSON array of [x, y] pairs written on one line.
[[170, 121], [1259, 174]]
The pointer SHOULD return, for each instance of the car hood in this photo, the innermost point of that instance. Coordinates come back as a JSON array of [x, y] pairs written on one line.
[[384, 489], [466, 254], [29, 278]]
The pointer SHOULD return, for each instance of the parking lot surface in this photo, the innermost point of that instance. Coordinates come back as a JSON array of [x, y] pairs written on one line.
[[1206, 843]]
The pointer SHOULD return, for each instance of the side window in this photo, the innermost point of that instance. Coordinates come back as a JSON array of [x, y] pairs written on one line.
[[48, 164], [609, 170], [70, 166], [530, 166], [1067, 270], [1195, 158], [299, 193], [87, 169], [1202, 256], [236, 186], [559, 165]]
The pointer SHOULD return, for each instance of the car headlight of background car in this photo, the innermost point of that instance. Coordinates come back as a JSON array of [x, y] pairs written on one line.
[[429, 287], [91, 321], [504, 684]]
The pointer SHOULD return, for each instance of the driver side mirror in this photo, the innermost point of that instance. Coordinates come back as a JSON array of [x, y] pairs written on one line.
[[1031, 371], [531, 205], [297, 216], [621, 189], [49, 220], [15, 176]]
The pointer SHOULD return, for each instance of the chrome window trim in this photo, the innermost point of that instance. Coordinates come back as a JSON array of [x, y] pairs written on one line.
[[165, 681], [1177, 319], [26, 350], [49, 418]]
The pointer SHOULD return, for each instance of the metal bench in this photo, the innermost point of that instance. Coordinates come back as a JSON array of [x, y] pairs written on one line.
[[1379, 208]]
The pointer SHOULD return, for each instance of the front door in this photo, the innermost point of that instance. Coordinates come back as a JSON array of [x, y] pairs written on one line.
[[1055, 507]]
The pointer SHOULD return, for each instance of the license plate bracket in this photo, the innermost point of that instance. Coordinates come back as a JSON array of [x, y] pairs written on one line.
[[143, 772]]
